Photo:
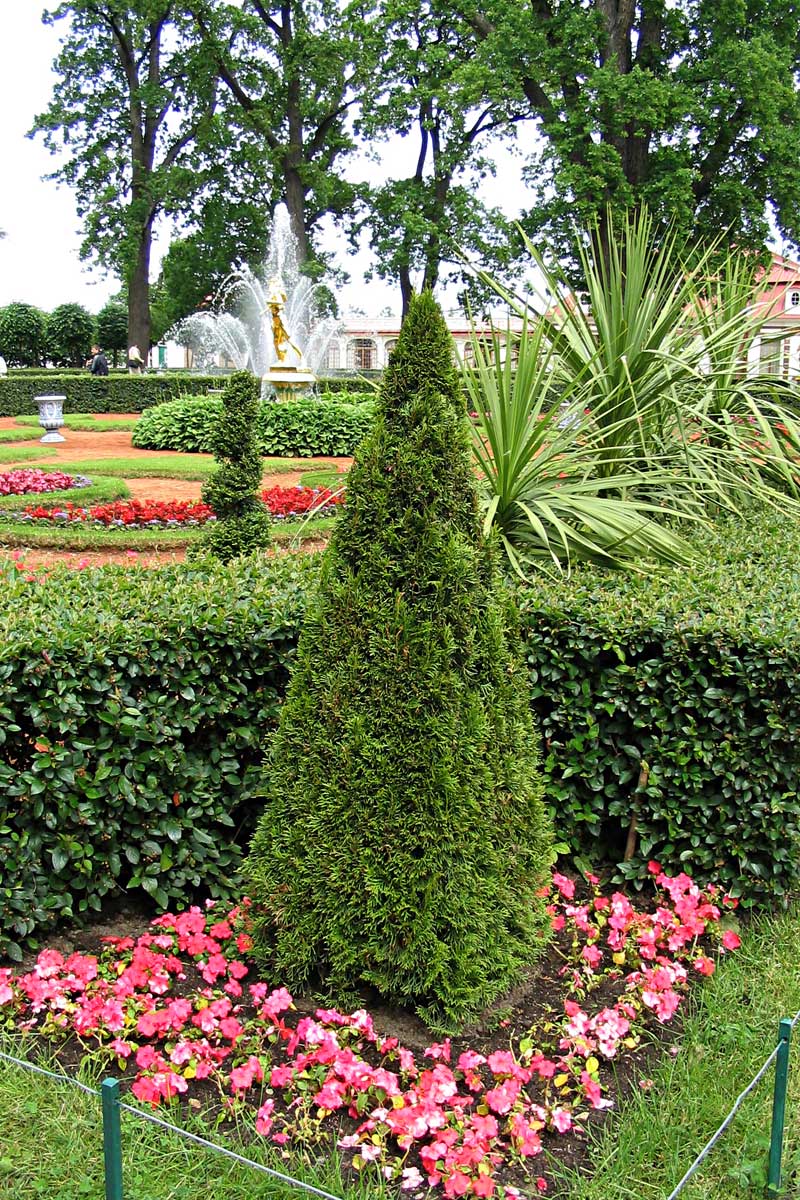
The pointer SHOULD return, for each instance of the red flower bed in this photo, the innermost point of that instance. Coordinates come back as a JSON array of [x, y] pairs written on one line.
[[19, 483], [282, 502]]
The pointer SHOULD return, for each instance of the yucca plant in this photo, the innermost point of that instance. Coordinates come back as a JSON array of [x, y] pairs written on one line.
[[544, 493], [640, 446]]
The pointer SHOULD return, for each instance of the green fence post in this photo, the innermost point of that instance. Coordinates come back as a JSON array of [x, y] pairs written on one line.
[[112, 1139], [779, 1107]]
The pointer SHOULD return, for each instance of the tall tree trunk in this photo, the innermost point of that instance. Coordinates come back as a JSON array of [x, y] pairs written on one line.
[[296, 204], [139, 293], [406, 289]]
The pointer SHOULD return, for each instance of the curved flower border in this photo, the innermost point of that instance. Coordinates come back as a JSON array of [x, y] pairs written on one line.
[[173, 1007]]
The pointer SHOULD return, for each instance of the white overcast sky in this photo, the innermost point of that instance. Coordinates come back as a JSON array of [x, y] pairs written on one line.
[[39, 256]]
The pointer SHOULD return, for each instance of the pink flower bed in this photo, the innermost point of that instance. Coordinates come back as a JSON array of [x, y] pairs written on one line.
[[22, 482], [177, 1006]]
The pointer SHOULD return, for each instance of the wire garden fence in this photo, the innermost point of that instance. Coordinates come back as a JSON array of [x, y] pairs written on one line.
[[113, 1107]]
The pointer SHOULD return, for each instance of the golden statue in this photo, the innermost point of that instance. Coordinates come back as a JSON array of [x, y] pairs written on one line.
[[276, 301]]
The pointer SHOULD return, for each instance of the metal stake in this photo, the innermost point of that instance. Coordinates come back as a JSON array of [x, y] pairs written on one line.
[[112, 1139], [779, 1107]]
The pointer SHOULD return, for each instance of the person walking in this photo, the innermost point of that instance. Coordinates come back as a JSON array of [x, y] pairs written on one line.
[[135, 361], [99, 363]]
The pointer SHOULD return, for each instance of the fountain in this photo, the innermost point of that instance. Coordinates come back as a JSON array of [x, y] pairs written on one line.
[[275, 316]]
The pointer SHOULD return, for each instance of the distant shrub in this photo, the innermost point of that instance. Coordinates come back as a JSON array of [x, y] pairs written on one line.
[[322, 425], [233, 491]]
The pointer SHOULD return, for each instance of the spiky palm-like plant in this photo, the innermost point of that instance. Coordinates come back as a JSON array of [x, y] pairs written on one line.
[[404, 841]]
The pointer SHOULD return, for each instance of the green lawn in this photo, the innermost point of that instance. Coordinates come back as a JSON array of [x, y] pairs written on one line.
[[175, 466], [24, 454], [51, 1147], [21, 535], [85, 422]]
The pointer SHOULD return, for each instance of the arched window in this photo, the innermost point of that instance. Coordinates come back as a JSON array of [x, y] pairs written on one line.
[[332, 356], [362, 354], [794, 299], [388, 348]]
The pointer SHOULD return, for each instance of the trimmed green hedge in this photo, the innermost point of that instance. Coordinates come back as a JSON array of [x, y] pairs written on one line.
[[140, 686], [133, 705], [87, 393], [676, 700], [322, 425]]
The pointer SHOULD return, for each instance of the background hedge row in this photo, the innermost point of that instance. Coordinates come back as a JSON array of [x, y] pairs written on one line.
[[133, 708], [87, 393], [308, 426]]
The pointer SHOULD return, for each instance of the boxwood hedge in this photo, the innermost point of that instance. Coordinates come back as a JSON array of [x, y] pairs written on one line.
[[323, 425], [133, 707], [87, 393]]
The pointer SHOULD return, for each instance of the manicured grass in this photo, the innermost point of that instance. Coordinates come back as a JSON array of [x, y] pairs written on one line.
[[21, 435], [23, 454], [325, 479], [86, 423], [648, 1148], [52, 1146], [21, 535], [172, 466]]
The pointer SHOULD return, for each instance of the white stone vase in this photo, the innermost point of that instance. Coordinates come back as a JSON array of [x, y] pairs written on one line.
[[51, 417]]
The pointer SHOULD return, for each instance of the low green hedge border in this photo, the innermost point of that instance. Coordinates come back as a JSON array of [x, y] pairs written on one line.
[[87, 393], [134, 707], [310, 426]]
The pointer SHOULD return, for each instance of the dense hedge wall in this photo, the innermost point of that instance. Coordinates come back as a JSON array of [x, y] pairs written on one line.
[[132, 709], [304, 427], [87, 393], [676, 700], [120, 691]]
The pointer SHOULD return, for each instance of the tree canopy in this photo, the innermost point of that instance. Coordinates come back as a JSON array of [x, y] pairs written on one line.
[[132, 97]]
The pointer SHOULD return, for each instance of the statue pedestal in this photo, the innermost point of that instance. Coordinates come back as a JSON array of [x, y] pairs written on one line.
[[288, 380]]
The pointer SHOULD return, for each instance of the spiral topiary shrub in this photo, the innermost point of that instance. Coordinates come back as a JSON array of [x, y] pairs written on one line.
[[404, 840], [243, 523]]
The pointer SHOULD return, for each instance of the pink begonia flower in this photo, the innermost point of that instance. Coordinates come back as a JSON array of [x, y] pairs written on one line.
[[704, 965], [264, 1119], [281, 1076], [411, 1178], [502, 1099], [564, 885], [456, 1184], [121, 1049], [277, 1002], [541, 1183], [592, 956], [483, 1186], [407, 1061], [561, 1119], [370, 1153], [439, 1051], [731, 940], [469, 1059], [145, 1089]]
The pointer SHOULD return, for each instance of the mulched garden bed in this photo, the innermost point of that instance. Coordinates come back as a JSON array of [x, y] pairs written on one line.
[[179, 1013]]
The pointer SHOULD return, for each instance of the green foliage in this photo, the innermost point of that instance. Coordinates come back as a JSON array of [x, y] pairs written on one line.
[[112, 329], [426, 88], [132, 707], [22, 335], [69, 335], [243, 522], [310, 426], [689, 109], [404, 841], [130, 110], [87, 393], [652, 423], [694, 674]]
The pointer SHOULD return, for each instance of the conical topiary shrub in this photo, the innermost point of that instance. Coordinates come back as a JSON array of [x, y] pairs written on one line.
[[243, 522], [404, 840]]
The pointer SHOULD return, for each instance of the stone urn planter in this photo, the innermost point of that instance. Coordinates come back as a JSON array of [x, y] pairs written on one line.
[[51, 417]]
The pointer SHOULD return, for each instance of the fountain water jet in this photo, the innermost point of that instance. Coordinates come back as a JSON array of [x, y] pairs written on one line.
[[276, 331]]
